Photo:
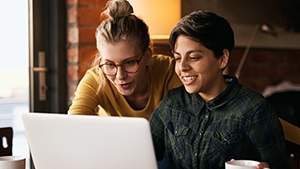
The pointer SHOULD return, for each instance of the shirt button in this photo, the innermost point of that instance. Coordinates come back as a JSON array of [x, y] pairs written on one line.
[[195, 154]]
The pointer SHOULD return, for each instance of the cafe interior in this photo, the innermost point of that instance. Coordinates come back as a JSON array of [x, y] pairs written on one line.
[[266, 57]]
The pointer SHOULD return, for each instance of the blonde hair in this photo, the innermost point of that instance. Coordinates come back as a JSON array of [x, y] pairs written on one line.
[[120, 24]]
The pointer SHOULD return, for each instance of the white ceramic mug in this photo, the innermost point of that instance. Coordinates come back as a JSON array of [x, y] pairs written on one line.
[[12, 162], [241, 164]]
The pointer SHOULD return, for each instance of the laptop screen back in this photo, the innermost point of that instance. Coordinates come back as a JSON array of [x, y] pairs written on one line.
[[77, 141]]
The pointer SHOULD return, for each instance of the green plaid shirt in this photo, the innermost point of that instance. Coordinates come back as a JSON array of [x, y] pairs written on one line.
[[237, 124]]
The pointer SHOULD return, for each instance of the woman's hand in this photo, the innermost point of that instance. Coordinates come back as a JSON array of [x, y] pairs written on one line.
[[263, 165]]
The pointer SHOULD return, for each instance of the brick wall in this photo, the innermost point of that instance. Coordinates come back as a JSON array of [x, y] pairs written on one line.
[[263, 67], [83, 17]]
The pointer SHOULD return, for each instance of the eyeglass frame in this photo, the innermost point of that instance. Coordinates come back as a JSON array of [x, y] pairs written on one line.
[[120, 65]]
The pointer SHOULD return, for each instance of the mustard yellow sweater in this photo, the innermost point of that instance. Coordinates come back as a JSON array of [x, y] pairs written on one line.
[[109, 102]]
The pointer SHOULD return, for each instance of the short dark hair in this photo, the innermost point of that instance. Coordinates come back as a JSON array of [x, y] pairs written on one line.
[[209, 29]]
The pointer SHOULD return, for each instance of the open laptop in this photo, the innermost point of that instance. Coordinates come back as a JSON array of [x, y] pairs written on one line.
[[60, 141]]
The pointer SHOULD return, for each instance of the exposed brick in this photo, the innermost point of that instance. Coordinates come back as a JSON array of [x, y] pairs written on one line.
[[73, 35], [288, 70], [72, 15], [264, 67], [294, 57], [72, 2], [89, 16], [72, 73], [87, 35], [258, 56], [71, 90], [236, 55], [87, 53], [72, 54], [89, 2]]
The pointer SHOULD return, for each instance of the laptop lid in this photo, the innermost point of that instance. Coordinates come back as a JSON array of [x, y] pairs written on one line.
[[78, 141]]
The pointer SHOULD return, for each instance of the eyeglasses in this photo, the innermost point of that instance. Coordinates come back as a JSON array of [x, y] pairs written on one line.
[[129, 66]]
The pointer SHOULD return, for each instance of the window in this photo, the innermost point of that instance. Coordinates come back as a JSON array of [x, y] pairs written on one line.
[[14, 80]]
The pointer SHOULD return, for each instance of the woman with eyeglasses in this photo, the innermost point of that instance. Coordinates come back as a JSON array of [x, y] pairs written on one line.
[[125, 80]]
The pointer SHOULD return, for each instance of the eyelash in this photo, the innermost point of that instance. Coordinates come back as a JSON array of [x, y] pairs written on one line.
[[190, 58], [125, 62], [129, 62], [194, 58]]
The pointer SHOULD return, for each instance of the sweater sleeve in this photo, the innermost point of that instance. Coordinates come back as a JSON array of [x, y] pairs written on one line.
[[85, 100]]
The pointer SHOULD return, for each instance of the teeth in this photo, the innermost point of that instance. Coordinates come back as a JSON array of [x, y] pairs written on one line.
[[188, 78]]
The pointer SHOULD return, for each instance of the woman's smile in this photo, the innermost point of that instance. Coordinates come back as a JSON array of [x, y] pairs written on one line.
[[188, 79]]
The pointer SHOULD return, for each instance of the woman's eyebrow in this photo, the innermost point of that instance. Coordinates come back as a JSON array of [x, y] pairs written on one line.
[[132, 57], [189, 52]]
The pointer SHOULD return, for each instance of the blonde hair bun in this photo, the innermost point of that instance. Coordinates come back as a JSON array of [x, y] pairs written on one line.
[[119, 8]]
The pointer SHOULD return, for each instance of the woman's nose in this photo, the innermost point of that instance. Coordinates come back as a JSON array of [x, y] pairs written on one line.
[[183, 65], [121, 74]]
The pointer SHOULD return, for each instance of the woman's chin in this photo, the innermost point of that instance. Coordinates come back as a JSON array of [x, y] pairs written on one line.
[[190, 90], [125, 92]]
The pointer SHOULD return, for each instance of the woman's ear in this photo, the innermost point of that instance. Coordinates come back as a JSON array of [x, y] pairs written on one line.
[[224, 59]]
